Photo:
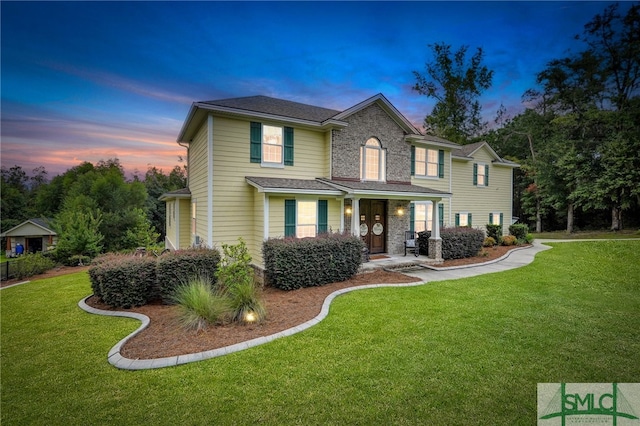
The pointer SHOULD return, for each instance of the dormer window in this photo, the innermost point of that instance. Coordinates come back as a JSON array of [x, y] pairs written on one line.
[[372, 165]]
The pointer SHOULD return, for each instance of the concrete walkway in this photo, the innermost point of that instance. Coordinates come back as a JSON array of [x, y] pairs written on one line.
[[513, 259]]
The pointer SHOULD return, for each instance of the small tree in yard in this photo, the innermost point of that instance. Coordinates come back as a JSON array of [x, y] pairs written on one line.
[[79, 239], [235, 275]]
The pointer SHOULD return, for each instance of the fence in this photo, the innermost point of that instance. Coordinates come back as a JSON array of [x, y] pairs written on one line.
[[7, 270]]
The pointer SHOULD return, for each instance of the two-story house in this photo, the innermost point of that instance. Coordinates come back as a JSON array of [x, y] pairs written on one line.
[[261, 168]]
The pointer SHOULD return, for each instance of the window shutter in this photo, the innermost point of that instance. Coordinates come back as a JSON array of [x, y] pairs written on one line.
[[475, 173], [457, 219], [469, 220], [323, 216], [486, 175], [441, 163], [490, 218], [412, 216], [501, 217], [413, 161], [441, 214], [289, 218], [256, 142], [288, 146]]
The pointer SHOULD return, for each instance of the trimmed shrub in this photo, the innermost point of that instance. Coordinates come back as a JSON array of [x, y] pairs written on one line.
[[177, 267], [423, 242], [200, 303], [461, 242], [32, 264], [509, 240], [489, 242], [292, 263], [519, 231], [529, 239], [494, 231], [123, 281]]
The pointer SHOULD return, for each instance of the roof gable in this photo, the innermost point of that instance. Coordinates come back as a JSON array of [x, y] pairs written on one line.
[[40, 224], [387, 107], [466, 152]]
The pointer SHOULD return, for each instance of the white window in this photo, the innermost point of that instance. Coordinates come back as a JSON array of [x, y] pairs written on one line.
[[272, 144], [495, 218], [372, 165], [426, 162], [463, 219], [306, 219], [423, 214]]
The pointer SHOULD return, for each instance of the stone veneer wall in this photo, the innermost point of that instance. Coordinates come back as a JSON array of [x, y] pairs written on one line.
[[396, 224], [372, 121]]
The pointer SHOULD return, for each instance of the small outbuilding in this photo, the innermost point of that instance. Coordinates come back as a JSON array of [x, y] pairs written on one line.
[[33, 235]]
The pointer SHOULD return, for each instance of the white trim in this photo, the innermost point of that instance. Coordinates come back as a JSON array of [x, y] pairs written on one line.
[[265, 213], [176, 211], [341, 214], [210, 180]]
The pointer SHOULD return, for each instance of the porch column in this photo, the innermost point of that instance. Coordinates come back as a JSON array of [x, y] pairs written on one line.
[[355, 217], [435, 242]]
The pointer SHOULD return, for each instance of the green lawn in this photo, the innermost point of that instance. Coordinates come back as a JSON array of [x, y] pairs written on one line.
[[455, 352], [588, 235]]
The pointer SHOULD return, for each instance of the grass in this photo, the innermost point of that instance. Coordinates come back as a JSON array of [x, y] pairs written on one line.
[[455, 352], [584, 235], [200, 304]]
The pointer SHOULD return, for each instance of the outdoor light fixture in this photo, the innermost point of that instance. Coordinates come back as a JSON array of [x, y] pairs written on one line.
[[250, 316], [400, 211], [348, 210]]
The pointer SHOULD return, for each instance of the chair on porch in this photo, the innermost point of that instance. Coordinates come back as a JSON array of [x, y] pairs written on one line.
[[411, 243]]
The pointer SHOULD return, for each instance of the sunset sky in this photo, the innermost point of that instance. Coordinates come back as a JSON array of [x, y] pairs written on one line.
[[89, 81]]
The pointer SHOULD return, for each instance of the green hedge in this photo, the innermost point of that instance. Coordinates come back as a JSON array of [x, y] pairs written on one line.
[[292, 263], [457, 243], [32, 264], [519, 231], [177, 267], [494, 231], [123, 281]]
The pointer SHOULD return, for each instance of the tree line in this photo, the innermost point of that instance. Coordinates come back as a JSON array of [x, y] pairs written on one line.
[[578, 140], [93, 208]]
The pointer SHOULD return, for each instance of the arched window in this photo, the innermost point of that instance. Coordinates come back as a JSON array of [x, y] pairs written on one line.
[[372, 164]]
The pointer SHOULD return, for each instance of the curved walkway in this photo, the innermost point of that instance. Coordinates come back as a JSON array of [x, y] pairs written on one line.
[[513, 259]]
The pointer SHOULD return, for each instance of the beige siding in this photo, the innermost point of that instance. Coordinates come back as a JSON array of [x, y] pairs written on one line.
[[440, 184], [480, 201], [198, 182], [185, 223], [171, 225], [236, 210]]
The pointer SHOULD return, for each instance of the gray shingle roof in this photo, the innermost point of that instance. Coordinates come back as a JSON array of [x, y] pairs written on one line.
[[283, 183], [281, 107], [383, 187]]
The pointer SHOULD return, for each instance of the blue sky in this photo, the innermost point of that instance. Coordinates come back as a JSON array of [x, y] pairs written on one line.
[[85, 81]]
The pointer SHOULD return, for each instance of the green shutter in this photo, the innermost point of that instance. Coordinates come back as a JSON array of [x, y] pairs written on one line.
[[490, 218], [441, 214], [323, 219], [469, 220], [412, 216], [475, 173], [288, 146], [501, 217], [289, 218], [413, 161], [441, 163], [486, 175], [457, 219], [256, 142]]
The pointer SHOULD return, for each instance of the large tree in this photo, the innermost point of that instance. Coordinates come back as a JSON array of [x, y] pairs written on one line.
[[456, 82]]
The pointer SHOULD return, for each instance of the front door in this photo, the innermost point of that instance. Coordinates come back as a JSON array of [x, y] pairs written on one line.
[[373, 224]]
